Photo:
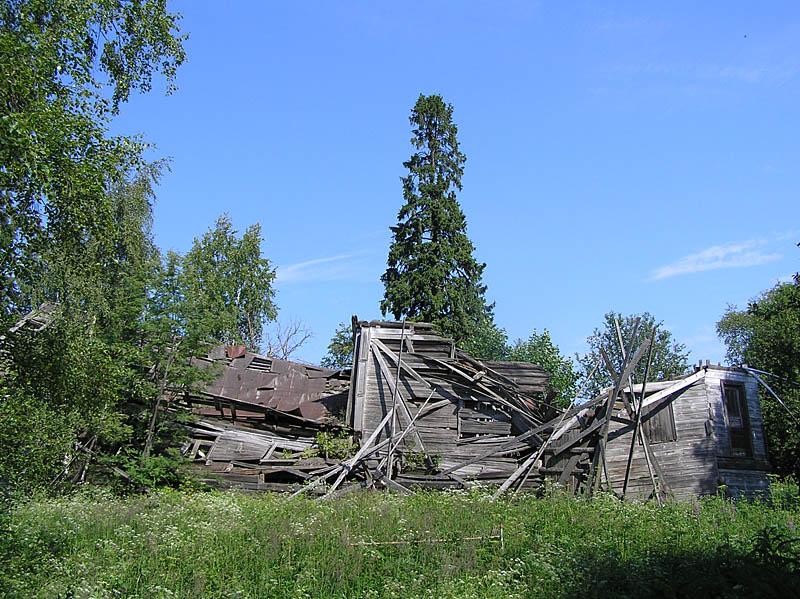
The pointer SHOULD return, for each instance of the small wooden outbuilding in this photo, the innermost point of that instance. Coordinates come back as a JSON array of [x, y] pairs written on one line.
[[705, 431]]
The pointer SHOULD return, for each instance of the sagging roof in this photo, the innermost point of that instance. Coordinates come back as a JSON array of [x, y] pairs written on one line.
[[256, 387]]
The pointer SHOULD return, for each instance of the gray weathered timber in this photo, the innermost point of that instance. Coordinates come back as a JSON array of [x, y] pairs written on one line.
[[423, 414], [700, 459]]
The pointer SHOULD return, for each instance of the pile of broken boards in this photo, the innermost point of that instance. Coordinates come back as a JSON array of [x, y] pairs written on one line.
[[423, 413], [256, 422]]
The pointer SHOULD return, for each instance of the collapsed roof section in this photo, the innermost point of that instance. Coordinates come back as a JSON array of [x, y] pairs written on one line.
[[256, 389], [414, 393], [258, 418]]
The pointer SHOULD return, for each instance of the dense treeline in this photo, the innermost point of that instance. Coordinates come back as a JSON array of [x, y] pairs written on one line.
[[766, 336], [75, 232]]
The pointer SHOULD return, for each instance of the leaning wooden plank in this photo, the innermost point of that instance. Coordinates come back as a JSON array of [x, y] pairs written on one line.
[[393, 386], [517, 473], [569, 468], [315, 483], [637, 430], [393, 357], [494, 450], [575, 415], [678, 386], [475, 380], [395, 390], [412, 424], [631, 414], [613, 373], [584, 434], [390, 484], [340, 468], [612, 398], [534, 459], [461, 481], [348, 464]]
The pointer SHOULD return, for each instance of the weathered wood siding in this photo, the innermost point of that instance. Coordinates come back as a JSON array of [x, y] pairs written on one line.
[[688, 463], [466, 421], [742, 477], [700, 458]]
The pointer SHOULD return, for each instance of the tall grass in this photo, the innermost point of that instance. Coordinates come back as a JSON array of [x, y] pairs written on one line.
[[173, 544]]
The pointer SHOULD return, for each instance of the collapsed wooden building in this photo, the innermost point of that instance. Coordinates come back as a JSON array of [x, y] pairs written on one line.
[[424, 414], [705, 431], [414, 411]]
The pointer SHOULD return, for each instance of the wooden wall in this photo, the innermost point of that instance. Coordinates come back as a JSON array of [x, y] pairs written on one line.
[[465, 422], [742, 477], [689, 463], [699, 460]]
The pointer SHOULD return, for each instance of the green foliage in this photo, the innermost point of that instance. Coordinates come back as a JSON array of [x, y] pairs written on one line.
[[75, 214], [340, 349], [335, 445], [487, 342], [539, 349], [432, 275], [66, 66], [267, 546], [766, 336], [227, 286], [670, 358], [784, 493], [75, 230], [64, 384], [419, 461], [149, 472], [34, 437]]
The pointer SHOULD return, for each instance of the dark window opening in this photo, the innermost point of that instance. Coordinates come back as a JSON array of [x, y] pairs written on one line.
[[738, 420], [659, 424]]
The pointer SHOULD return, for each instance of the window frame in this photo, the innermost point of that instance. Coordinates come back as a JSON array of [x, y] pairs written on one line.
[[648, 417], [745, 429]]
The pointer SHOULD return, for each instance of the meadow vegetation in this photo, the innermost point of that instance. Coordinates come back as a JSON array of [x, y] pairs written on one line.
[[180, 544]]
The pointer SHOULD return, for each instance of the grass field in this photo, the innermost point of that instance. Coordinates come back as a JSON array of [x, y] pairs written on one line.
[[173, 544]]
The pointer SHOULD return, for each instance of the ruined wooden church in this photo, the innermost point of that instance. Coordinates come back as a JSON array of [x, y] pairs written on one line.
[[425, 414]]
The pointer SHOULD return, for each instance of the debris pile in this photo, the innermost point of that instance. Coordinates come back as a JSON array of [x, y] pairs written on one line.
[[423, 413], [258, 419]]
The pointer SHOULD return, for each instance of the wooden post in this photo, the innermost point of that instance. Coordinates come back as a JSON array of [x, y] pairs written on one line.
[[638, 416], [390, 462]]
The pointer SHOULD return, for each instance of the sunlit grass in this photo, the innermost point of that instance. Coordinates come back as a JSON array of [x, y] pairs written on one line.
[[172, 544]]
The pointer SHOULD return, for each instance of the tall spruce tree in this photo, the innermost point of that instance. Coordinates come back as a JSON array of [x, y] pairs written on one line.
[[432, 275]]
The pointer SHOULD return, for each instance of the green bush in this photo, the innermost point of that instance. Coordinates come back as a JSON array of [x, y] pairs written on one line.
[[152, 472], [335, 445]]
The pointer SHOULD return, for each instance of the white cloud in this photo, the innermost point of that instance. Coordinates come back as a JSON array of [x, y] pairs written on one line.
[[731, 255], [328, 268]]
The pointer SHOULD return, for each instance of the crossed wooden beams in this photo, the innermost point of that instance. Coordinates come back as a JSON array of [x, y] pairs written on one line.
[[588, 424]]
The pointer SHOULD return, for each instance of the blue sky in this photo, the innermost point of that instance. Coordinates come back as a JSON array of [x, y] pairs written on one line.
[[621, 156]]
